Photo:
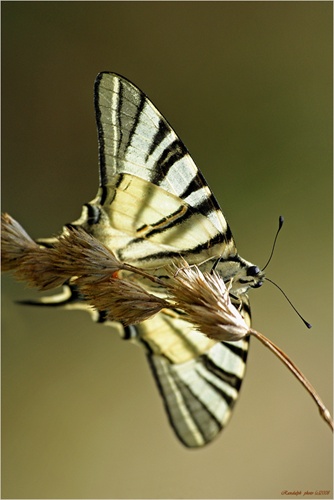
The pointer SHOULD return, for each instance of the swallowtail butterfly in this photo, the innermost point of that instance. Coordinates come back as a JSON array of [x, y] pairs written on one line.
[[153, 206]]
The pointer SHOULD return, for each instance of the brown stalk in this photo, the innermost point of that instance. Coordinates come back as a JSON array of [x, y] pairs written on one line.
[[324, 412]]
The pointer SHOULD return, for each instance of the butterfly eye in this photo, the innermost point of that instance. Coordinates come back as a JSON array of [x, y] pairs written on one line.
[[253, 271]]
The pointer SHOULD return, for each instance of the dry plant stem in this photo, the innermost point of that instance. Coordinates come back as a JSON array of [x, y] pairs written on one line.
[[324, 412], [141, 272]]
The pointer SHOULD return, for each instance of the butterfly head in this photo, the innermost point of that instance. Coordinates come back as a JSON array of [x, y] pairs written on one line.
[[242, 274]]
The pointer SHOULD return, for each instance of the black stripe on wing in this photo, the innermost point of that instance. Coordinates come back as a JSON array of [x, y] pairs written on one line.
[[179, 216], [169, 255], [159, 136], [230, 378], [100, 131], [139, 110], [168, 157]]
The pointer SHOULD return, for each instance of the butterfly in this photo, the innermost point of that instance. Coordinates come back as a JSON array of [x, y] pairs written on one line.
[[154, 207]]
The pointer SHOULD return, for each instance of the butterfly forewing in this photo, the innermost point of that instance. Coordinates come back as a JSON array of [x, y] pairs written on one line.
[[135, 138]]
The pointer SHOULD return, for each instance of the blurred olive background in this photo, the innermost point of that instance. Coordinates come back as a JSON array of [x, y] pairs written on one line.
[[248, 87]]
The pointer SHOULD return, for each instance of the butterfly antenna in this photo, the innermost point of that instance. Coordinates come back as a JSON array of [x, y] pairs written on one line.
[[291, 304], [280, 224]]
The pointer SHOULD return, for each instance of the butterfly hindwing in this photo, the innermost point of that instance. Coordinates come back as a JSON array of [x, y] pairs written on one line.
[[198, 379]]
